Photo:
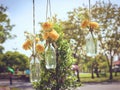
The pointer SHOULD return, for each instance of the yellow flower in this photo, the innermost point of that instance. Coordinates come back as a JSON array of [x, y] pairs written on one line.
[[37, 40], [94, 25], [47, 26], [27, 45], [39, 48], [85, 23], [45, 35], [53, 35]]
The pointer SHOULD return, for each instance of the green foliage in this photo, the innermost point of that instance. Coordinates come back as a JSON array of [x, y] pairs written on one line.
[[74, 34], [86, 78], [1, 49], [5, 26], [107, 15], [14, 60], [62, 76], [2, 64]]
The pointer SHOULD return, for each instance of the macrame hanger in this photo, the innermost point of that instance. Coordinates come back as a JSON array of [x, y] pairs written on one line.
[[48, 10]]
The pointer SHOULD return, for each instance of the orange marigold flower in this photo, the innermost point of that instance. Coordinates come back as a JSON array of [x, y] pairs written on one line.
[[39, 48], [85, 23], [53, 35], [47, 26], [27, 45], [94, 25], [45, 35], [37, 40]]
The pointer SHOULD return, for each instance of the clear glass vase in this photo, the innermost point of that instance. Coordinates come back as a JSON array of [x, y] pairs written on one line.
[[50, 56], [34, 69], [91, 44]]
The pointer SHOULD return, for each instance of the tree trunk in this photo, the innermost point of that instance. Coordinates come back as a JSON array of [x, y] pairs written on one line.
[[92, 72], [97, 73], [110, 71], [115, 73], [78, 77], [110, 68], [78, 73], [57, 71]]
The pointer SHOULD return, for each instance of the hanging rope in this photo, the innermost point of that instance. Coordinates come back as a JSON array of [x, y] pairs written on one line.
[[89, 10], [91, 30], [48, 9], [33, 52], [33, 17]]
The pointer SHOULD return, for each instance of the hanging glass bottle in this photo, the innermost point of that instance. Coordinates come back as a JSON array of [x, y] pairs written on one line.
[[50, 56], [91, 44], [34, 69]]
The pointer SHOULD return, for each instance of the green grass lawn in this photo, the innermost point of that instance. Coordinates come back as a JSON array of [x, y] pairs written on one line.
[[86, 77]]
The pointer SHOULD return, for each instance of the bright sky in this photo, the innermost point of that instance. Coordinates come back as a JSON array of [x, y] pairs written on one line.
[[20, 14]]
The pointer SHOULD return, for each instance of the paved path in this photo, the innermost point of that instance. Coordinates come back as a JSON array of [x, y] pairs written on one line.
[[88, 86], [101, 86], [18, 84]]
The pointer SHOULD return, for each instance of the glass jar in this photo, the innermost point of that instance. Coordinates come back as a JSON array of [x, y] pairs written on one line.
[[34, 69], [50, 56], [91, 44]]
